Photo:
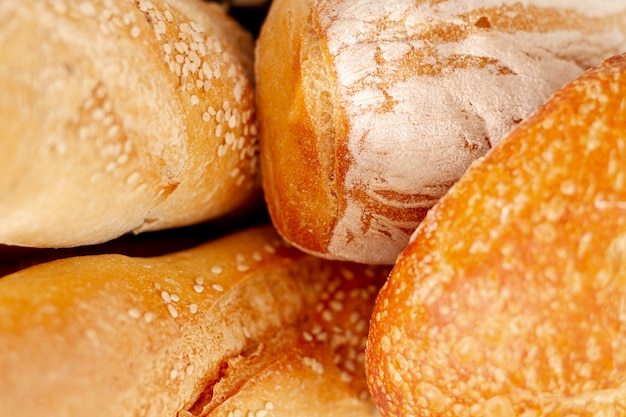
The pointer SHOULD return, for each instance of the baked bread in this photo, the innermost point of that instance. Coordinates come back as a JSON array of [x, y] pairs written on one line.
[[369, 111], [509, 300], [122, 116], [240, 324]]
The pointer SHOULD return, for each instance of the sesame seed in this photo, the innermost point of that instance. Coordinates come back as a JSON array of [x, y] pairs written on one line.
[[198, 288], [133, 178], [194, 100], [173, 374], [336, 305], [232, 121], [181, 47], [166, 297], [269, 405], [193, 308], [172, 310], [243, 268], [148, 317], [216, 270], [269, 249], [313, 364], [134, 313], [218, 287], [199, 280], [114, 131], [135, 31], [122, 159], [345, 377], [175, 298], [327, 315], [347, 274]]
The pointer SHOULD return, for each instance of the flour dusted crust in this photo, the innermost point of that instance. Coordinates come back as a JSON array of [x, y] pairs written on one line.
[[509, 300], [122, 115], [386, 104], [242, 325]]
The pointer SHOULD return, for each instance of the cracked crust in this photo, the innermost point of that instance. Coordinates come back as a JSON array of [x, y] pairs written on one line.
[[238, 325], [418, 91], [508, 300]]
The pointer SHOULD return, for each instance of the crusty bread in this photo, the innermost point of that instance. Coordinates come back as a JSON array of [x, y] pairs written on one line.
[[122, 116], [241, 324], [369, 111], [509, 299]]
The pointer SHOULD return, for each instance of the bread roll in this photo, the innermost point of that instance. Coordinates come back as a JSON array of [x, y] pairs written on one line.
[[509, 299], [369, 111], [122, 116], [241, 324]]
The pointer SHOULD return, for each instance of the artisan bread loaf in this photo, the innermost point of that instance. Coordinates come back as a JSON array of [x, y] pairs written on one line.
[[509, 300], [370, 111], [240, 324], [122, 116]]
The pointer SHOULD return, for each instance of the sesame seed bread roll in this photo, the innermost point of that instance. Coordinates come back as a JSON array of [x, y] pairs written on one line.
[[240, 324], [509, 300], [122, 116], [370, 111]]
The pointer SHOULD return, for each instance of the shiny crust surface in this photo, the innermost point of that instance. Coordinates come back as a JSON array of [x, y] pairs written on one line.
[[509, 299]]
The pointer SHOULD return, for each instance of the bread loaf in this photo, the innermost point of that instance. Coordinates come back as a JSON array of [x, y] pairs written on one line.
[[242, 324], [370, 111], [509, 300], [122, 116]]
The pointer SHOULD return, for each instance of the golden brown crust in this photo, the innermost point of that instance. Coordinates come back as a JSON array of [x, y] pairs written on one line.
[[369, 114], [284, 49], [509, 299], [122, 116], [192, 332]]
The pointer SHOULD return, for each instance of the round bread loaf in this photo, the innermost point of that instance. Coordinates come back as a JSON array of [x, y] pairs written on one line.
[[509, 300], [370, 111], [122, 116], [242, 324]]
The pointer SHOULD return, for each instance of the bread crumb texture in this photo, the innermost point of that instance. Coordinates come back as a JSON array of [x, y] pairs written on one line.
[[509, 300]]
